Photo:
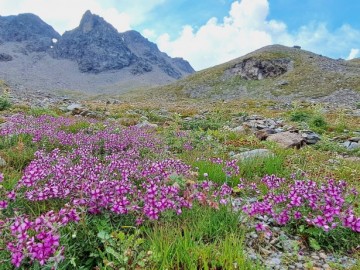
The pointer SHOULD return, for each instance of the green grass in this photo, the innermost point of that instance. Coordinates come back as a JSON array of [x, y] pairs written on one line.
[[215, 173], [199, 239]]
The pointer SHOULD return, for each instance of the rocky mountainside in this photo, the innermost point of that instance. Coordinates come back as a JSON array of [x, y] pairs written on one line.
[[27, 28], [274, 72], [94, 57]]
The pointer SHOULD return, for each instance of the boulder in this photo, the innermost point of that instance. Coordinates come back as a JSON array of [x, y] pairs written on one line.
[[355, 139], [74, 106], [287, 139], [310, 137], [350, 145]]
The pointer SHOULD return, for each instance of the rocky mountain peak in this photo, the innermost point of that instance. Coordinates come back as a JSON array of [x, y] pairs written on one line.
[[96, 46], [121, 61], [27, 28], [90, 21]]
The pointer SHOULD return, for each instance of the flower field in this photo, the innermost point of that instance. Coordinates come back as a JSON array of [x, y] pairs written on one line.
[[80, 193]]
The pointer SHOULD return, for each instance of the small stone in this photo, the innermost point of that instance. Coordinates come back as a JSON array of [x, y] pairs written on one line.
[[275, 261], [238, 129], [2, 162], [254, 235], [315, 257], [147, 124], [326, 266], [299, 265], [322, 255]]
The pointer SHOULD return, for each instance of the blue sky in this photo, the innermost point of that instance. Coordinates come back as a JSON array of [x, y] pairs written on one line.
[[209, 32]]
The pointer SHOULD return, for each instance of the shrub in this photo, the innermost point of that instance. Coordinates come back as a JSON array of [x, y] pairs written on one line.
[[4, 103], [300, 116], [318, 121]]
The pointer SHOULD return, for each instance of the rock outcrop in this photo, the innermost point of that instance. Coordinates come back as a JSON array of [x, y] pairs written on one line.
[[4, 57], [258, 69]]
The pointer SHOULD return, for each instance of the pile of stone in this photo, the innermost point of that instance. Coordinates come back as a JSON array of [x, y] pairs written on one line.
[[274, 130]]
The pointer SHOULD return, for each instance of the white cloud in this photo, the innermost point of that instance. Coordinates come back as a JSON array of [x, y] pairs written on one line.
[[247, 28], [149, 33], [353, 54], [65, 14], [244, 30]]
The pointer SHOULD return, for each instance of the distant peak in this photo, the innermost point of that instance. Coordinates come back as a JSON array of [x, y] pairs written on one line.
[[87, 13], [89, 21]]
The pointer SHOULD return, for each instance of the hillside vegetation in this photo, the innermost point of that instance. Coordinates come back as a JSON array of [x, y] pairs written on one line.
[[309, 76]]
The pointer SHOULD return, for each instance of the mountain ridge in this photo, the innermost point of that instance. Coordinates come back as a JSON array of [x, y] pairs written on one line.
[[35, 57]]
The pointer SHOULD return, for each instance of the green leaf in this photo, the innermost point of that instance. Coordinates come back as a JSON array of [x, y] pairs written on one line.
[[314, 244], [103, 235], [117, 255]]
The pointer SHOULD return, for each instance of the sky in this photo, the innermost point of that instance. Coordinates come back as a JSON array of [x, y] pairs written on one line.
[[210, 32]]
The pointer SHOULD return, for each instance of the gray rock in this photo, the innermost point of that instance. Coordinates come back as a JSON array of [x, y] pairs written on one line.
[[274, 261], [2, 162], [310, 137], [259, 69], [257, 153], [147, 124], [74, 106], [238, 129], [355, 139], [287, 139], [4, 57], [351, 145], [322, 255], [315, 257]]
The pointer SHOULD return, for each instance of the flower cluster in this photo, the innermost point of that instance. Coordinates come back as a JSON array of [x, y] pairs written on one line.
[[102, 168], [321, 205], [38, 239]]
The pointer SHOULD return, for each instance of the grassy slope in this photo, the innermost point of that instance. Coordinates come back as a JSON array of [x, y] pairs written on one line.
[[312, 76]]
